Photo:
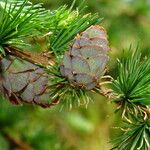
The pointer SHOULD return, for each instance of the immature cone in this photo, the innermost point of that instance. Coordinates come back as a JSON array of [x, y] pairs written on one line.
[[85, 62], [22, 81]]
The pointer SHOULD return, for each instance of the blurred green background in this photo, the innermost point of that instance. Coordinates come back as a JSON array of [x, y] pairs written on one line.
[[34, 128]]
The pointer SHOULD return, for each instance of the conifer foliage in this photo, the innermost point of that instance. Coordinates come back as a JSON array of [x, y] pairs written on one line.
[[72, 67]]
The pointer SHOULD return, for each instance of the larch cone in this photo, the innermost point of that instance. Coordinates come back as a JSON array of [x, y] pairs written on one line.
[[22, 81], [84, 64]]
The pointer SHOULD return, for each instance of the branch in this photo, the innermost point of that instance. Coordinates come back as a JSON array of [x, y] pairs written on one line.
[[1, 57], [16, 142], [40, 59]]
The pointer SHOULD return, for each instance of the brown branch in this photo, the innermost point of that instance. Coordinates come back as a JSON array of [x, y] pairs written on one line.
[[35, 58], [16, 142], [1, 57]]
